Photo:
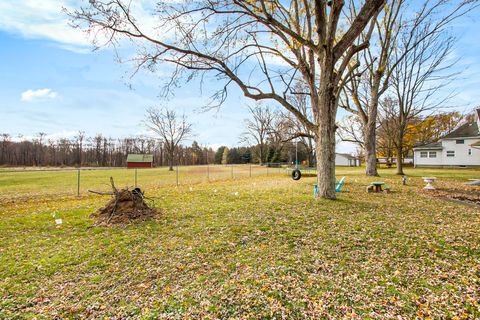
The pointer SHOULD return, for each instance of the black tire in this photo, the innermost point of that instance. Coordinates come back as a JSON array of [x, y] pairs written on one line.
[[296, 174]]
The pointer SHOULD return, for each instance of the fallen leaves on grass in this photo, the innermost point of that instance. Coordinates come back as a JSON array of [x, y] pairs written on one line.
[[273, 252]]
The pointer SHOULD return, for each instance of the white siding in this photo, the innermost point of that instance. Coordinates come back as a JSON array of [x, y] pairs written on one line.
[[461, 158], [341, 160], [429, 160], [344, 161]]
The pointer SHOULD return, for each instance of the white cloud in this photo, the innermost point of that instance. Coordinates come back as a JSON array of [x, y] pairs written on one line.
[[40, 94], [40, 19], [47, 19]]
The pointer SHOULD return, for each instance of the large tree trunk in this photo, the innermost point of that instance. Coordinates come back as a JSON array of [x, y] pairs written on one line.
[[400, 152], [260, 155], [399, 144], [170, 160], [399, 160], [370, 136], [325, 144], [369, 130]]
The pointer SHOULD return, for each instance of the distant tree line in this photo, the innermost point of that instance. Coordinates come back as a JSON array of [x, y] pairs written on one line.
[[103, 151], [98, 151]]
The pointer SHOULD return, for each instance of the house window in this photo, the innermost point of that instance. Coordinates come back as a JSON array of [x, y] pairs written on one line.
[[423, 154], [432, 154], [460, 141], [450, 153], [469, 152]]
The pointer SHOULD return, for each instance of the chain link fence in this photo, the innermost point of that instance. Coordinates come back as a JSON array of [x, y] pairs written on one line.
[[77, 181]]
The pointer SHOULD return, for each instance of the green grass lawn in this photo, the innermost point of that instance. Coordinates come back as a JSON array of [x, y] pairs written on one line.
[[18, 183], [270, 251]]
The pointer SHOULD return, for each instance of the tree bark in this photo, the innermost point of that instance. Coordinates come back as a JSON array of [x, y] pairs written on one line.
[[399, 159], [325, 142], [170, 160], [370, 152], [325, 147], [399, 146], [370, 140]]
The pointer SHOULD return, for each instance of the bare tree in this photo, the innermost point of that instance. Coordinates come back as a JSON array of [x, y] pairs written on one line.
[[418, 78], [170, 127], [6, 142], [364, 91], [278, 136], [295, 128], [366, 87], [279, 41], [388, 127], [79, 143], [257, 130], [350, 129]]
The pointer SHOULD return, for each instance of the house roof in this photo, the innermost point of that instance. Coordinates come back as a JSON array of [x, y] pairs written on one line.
[[429, 146], [467, 130], [140, 158]]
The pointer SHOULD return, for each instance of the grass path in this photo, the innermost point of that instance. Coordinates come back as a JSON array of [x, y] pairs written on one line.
[[271, 251]]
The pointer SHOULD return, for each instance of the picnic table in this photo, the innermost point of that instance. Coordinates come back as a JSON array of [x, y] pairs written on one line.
[[378, 185]]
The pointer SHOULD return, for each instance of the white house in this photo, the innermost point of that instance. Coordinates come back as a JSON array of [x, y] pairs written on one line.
[[346, 160], [460, 147]]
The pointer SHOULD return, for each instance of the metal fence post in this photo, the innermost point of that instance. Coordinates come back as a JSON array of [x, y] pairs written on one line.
[[232, 171], [177, 175], [135, 177], [250, 170], [208, 172], [78, 182], [267, 169]]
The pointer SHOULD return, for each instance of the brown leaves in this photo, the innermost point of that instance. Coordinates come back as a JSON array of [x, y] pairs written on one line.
[[271, 252]]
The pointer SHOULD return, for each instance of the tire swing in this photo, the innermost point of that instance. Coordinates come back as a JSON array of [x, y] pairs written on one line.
[[296, 174]]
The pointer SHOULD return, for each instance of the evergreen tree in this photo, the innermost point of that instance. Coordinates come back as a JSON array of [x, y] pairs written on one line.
[[234, 156]]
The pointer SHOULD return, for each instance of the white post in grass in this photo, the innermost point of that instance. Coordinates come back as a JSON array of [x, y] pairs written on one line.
[[78, 182], [177, 174]]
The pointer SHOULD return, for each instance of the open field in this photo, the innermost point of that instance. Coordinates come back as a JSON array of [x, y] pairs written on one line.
[[15, 182], [270, 251]]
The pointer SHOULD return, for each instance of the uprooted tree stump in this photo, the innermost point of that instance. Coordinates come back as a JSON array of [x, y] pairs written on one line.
[[125, 206]]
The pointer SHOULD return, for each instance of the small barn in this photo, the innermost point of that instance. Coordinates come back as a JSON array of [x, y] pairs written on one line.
[[140, 161]]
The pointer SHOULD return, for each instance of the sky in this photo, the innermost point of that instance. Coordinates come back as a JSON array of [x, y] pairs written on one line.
[[51, 81]]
